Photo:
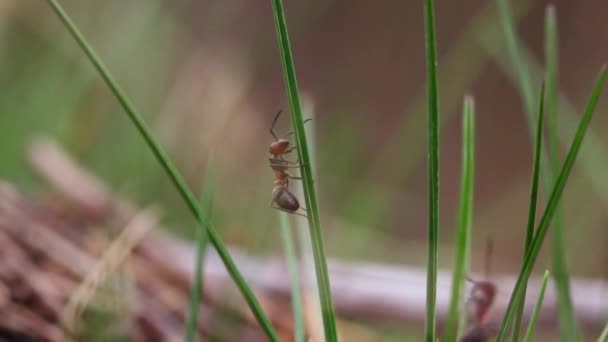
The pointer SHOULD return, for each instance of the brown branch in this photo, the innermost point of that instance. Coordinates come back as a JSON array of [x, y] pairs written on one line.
[[362, 290]]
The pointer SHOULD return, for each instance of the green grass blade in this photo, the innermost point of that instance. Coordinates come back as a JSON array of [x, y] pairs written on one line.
[[169, 168], [604, 335], [543, 226], [310, 195], [565, 311], [539, 304], [568, 327], [202, 239], [433, 126], [294, 276], [455, 318], [532, 208]]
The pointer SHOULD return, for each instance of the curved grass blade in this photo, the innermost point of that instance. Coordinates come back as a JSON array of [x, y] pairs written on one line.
[[294, 276], [169, 168], [532, 207], [568, 326], [539, 305], [433, 127], [202, 240], [543, 226], [310, 195], [455, 319]]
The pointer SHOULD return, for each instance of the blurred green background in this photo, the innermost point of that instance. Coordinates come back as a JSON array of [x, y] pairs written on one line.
[[207, 76]]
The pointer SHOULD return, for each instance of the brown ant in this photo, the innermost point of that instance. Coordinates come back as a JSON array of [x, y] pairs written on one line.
[[284, 199], [478, 305]]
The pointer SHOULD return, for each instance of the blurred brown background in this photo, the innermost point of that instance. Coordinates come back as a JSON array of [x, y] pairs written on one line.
[[207, 76]]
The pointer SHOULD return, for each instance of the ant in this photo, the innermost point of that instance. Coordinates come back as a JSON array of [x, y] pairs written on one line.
[[284, 199], [478, 305]]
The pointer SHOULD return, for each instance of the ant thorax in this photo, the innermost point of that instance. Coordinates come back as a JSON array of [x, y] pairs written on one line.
[[279, 164]]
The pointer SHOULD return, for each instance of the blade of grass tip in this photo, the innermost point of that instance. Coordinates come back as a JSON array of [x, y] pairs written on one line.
[[202, 239], [508, 27], [532, 207], [329, 320], [169, 168], [604, 335], [455, 319], [551, 88], [539, 305], [558, 189], [294, 275], [433, 126], [565, 311]]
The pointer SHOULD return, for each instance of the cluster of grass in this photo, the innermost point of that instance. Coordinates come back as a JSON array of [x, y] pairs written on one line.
[[554, 188], [554, 176]]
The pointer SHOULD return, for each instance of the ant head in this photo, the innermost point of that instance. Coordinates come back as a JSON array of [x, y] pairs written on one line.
[[483, 291], [480, 300], [278, 147]]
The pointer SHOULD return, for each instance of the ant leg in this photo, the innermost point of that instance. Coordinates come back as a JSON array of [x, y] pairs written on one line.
[[290, 149], [287, 211], [297, 162], [274, 123], [290, 133], [287, 166]]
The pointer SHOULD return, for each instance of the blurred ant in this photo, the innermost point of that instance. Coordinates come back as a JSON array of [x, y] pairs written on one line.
[[284, 199], [478, 305]]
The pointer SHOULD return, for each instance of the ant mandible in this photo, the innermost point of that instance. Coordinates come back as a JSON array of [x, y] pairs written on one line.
[[284, 199]]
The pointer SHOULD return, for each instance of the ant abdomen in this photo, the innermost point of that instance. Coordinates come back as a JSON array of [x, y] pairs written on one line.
[[285, 199]]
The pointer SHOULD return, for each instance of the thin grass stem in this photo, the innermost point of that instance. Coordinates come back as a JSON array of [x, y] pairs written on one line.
[[433, 169], [202, 240], [604, 335], [310, 195], [532, 206], [169, 168], [455, 319], [537, 308], [294, 276]]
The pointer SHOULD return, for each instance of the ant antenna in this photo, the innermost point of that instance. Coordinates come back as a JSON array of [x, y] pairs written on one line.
[[290, 133], [274, 123], [488, 255]]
